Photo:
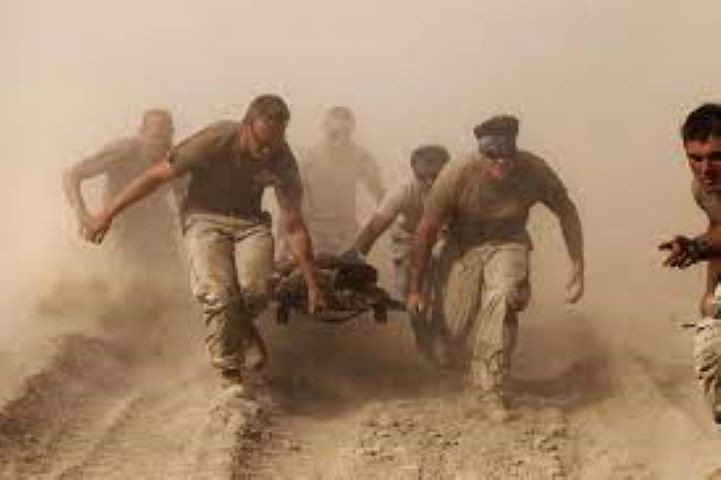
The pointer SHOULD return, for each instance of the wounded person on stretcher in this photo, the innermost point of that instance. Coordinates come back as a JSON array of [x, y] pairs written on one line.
[[351, 288]]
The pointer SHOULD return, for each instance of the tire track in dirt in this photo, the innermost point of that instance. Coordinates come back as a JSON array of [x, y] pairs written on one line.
[[94, 413], [376, 412], [593, 411]]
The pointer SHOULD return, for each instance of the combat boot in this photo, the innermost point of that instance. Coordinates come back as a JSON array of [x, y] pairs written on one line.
[[256, 356], [495, 407], [232, 383]]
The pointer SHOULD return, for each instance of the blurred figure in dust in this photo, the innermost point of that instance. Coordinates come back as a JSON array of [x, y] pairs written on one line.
[[402, 207], [483, 270], [701, 136], [331, 172], [146, 236]]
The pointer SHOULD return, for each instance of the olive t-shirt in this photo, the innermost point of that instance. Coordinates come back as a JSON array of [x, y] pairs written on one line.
[[404, 204], [479, 209], [330, 176], [224, 177]]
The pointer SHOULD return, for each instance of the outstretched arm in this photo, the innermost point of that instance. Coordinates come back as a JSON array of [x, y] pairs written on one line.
[[370, 233], [93, 166], [142, 186], [299, 243], [570, 221], [686, 251], [425, 237]]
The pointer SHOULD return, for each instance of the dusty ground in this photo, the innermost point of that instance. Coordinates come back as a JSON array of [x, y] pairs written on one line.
[[353, 402]]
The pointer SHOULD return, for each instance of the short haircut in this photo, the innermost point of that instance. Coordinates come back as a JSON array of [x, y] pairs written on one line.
[[702, 124], [435, 154], [158, 112], [270, 107], [342, 112], [497, 125]]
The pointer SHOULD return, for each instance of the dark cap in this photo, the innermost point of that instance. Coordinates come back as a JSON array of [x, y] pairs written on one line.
[[430, 153], [497, 125]]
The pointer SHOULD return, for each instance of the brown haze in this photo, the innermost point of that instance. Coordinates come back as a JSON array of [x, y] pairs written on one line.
[[601, 88]]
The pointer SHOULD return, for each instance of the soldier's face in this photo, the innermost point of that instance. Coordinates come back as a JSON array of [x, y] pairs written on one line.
[[339, 127], [266, 137], [157, 127], [426, 173], [501, 151], [704, 159]]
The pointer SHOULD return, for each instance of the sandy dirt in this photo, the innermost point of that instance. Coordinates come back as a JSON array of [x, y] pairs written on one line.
[[354, 402]]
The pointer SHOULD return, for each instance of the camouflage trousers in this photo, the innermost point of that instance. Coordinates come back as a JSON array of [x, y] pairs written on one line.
[[707, 355], [480, 291], [231, 263]]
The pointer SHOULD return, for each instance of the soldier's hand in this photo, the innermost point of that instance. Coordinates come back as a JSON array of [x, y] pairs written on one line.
[[316, 300], [416, 303], [83, 218], [682, 252], [576, 284], [95, 228]]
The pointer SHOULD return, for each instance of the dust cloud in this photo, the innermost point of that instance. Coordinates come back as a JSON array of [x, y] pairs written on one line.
[[600, 87]]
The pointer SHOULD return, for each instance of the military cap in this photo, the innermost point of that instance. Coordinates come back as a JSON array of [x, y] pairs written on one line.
[[497, 125]]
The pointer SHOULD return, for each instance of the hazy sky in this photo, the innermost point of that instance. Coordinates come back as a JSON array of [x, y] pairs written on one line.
[[601, 87]]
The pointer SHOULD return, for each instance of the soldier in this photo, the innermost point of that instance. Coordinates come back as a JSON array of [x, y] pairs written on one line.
[[484, 199], [331, 171], [227, 235], [404, 206], [701, 135], [147, 234]]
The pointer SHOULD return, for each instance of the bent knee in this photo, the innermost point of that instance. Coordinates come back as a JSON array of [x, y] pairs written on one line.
[[516, 297], [214, 298], [255, 293]]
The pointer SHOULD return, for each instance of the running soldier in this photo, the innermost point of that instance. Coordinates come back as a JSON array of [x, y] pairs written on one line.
[[331, 172], [701, 136], [227, 235], [404, 206], [145, 236], [483, 271]]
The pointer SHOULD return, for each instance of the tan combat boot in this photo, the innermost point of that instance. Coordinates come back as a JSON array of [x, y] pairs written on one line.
[[495, 407]]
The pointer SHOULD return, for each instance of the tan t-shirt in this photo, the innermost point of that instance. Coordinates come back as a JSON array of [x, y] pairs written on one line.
[[479, 209], [330, 176], [404, 204], [148, 226], [225, 179]]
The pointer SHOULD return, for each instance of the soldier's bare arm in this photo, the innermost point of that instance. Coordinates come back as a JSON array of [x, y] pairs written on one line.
[[572, 230], [142, 186], [299, 243], [686, 251], [423, 241], [556, 198], [96, 165], [370, 233]]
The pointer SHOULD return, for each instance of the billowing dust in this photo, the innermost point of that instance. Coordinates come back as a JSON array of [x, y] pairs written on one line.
[[102, 370]]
